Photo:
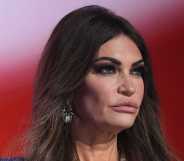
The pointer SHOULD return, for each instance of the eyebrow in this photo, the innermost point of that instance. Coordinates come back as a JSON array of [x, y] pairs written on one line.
[[137, 63], [117, 62]]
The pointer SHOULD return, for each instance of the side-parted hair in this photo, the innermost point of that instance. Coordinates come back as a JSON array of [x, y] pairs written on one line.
[[64, 63]]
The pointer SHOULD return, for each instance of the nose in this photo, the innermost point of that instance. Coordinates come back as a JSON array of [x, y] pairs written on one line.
[[126, 87]]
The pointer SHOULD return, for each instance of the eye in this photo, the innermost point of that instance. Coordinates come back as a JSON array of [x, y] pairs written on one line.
[[138, 71], [104, 69]]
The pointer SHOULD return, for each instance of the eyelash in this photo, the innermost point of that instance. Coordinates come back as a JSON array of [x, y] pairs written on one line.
[[105, 69], [139, 71], [108, 69]]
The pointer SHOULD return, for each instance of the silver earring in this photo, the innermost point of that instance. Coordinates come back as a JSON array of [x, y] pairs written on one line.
[[67, 112]]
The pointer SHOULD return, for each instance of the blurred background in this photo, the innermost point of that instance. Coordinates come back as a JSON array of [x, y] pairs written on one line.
[[25, 26]]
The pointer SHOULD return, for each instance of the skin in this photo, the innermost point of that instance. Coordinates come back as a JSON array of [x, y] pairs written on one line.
[[96, 124]]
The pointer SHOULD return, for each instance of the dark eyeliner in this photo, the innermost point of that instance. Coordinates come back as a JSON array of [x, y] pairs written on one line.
[[104, 68], [139, 70]]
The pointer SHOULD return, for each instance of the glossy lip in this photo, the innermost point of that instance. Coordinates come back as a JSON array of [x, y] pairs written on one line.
[[125, 107]]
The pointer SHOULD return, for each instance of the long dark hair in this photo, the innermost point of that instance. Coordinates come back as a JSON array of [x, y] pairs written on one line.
[[64, 64]]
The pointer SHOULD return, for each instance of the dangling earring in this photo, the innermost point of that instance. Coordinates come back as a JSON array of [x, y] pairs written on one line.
[[67, 112]]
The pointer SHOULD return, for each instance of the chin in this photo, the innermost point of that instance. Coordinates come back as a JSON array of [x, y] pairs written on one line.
[[123, 123]]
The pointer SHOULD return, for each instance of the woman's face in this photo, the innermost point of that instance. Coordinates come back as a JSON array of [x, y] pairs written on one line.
[[111, 95]]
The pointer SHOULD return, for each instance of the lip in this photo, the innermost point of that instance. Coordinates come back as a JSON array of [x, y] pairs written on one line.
[[125, 108]]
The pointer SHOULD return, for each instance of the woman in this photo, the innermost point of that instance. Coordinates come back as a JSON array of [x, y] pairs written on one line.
[[94, 97]]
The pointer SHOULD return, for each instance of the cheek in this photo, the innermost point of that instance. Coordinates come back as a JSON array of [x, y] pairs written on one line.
[[90, 101], [139, 91]]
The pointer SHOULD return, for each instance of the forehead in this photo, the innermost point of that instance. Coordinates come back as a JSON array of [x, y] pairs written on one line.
[[122, 48]]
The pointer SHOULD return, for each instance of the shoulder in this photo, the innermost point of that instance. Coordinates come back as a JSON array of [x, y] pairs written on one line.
[[12, 159]]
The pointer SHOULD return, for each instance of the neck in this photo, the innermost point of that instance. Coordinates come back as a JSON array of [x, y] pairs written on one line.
[[93, 144]]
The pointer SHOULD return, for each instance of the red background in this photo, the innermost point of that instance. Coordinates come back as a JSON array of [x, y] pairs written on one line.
[[25, 28]]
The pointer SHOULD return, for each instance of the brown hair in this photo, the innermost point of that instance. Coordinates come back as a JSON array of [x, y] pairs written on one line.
[[64, 63]]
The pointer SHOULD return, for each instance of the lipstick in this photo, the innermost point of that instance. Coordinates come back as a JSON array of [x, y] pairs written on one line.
[[125, 108]]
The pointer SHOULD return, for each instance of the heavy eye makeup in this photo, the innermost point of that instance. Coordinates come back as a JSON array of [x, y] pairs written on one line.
[[138, 71], [112, 66], [105, 68]]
